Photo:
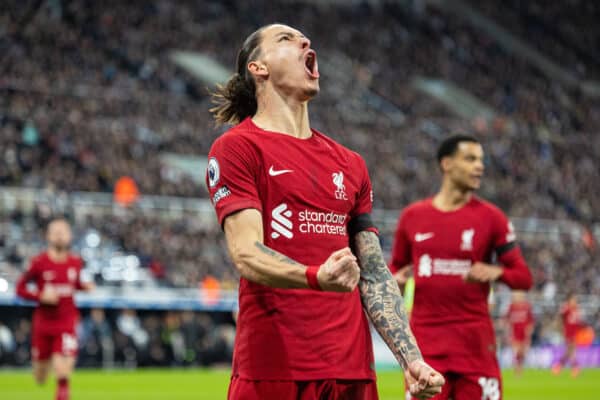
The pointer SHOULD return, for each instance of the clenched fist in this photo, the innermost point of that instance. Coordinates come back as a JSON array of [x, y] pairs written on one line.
[[340, 273], [423, 382]]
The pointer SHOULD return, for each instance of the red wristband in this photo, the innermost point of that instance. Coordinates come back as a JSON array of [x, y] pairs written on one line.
[[311, 277]]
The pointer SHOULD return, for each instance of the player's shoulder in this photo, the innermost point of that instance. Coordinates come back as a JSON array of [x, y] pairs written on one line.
[[242, 134], [485, 206], [243, 138], [337, 147], [75, 259], [418, 207], [39, 259]]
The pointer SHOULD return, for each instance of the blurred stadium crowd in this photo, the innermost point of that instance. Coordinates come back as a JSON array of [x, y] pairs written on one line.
[[89, 94], [130, 339]]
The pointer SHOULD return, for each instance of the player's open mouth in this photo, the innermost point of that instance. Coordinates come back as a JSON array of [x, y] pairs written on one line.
[[311, 65]]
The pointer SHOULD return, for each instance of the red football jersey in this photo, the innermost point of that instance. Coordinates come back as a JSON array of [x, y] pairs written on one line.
[[307, 191], [65, 277], [450, 317], [519, 316], [571, 318]]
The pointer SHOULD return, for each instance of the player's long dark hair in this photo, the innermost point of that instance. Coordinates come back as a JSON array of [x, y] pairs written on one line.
[[236, 100]]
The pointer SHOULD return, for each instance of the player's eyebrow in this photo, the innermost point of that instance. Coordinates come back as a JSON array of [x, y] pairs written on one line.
[[288, 34]]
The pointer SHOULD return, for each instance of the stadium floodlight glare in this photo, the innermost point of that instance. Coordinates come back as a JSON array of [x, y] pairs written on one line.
[[92, 239], [132, 262], [3, 285]]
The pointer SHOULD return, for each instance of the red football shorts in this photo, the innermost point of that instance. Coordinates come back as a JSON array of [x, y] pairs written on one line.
[[329, 389], [469, 387], [571, 332], [44, 344], [519, 334]]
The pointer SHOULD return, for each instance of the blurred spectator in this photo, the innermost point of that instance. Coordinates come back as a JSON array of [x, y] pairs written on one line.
[[7, 344], [173, 338], [95, 340], [131, 337]]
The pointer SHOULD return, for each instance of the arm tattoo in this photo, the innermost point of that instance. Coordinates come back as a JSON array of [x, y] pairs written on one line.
[[382, 300], [277, 255]]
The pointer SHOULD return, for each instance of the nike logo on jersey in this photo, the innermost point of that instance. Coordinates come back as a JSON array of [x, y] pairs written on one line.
[[420, 237], [274, 172]]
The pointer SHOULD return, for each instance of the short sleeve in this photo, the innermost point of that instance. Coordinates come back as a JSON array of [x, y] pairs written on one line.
[[364, 201], [231, 176], [504, 237], [401, 253]]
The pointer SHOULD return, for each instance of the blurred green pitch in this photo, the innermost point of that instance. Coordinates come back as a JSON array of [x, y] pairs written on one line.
[[202, 384]]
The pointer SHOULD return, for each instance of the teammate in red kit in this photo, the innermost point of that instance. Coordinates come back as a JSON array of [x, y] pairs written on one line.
[[571, 320], [520, 319], [56, 275], [450, 240], [291, 201]]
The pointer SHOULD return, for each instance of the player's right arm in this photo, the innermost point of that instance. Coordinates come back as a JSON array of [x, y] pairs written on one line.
[[47, 296], [261, 264]]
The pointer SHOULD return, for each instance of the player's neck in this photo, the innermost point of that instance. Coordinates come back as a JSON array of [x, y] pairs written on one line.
[[451, 198], [57, 255], [286, 115]]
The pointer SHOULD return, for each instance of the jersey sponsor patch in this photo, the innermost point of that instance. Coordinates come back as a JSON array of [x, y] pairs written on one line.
[[307, 222], [330, 223], [438, 266], [64, 289], [48, 275], [213, 171], [220, 194], [281, 222]]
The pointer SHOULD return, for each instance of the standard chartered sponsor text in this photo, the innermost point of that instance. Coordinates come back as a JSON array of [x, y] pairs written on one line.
[[316, 222]]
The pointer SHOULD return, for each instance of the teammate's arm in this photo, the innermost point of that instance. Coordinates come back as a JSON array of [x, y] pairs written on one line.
[[261, 264], [385, 307], [21, 288], [47, 296], [513, 270]]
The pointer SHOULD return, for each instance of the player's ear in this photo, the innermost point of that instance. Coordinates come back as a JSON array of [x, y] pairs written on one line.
[[445, 164], [258, 69]]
